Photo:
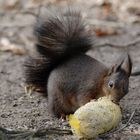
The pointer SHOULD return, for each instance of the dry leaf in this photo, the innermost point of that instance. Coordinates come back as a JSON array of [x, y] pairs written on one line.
[[100, 32], [7, 46]]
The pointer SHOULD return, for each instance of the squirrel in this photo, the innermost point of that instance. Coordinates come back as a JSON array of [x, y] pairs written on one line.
[[67, 75]]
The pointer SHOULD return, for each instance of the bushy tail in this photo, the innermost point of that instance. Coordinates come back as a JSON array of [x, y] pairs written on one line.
[[58, 38]]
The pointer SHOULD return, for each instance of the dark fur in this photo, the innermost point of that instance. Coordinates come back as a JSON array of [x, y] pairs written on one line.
[[58, 39], [70, 76], [36, 71]]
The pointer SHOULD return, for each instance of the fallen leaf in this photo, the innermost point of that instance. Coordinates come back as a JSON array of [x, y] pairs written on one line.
[[7, 46]]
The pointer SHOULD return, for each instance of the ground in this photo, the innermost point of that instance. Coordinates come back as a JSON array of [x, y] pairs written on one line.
[[21, 111]]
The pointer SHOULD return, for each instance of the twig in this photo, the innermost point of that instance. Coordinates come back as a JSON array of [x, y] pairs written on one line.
[[123, 127], [106, 23], [13, 134], [136, 73], [28, 13], [130, 44], [52, 131]]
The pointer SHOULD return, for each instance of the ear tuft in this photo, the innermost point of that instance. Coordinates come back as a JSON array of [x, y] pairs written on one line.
[[126, 64]]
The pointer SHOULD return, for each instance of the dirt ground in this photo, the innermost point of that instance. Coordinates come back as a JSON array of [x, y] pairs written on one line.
[[20, 111]]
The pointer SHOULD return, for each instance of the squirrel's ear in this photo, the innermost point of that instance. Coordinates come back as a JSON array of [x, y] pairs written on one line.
[[126, 65]]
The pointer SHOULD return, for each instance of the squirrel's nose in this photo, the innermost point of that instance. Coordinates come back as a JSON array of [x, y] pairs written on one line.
[[114, 99]]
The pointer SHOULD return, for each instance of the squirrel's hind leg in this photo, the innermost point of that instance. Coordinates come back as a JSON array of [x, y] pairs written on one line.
[[59, 102]]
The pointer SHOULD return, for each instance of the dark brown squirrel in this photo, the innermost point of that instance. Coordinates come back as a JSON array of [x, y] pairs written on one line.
[[69, 77]]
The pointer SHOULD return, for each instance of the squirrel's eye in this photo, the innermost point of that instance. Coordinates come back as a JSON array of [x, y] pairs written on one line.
[[110, 84]]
